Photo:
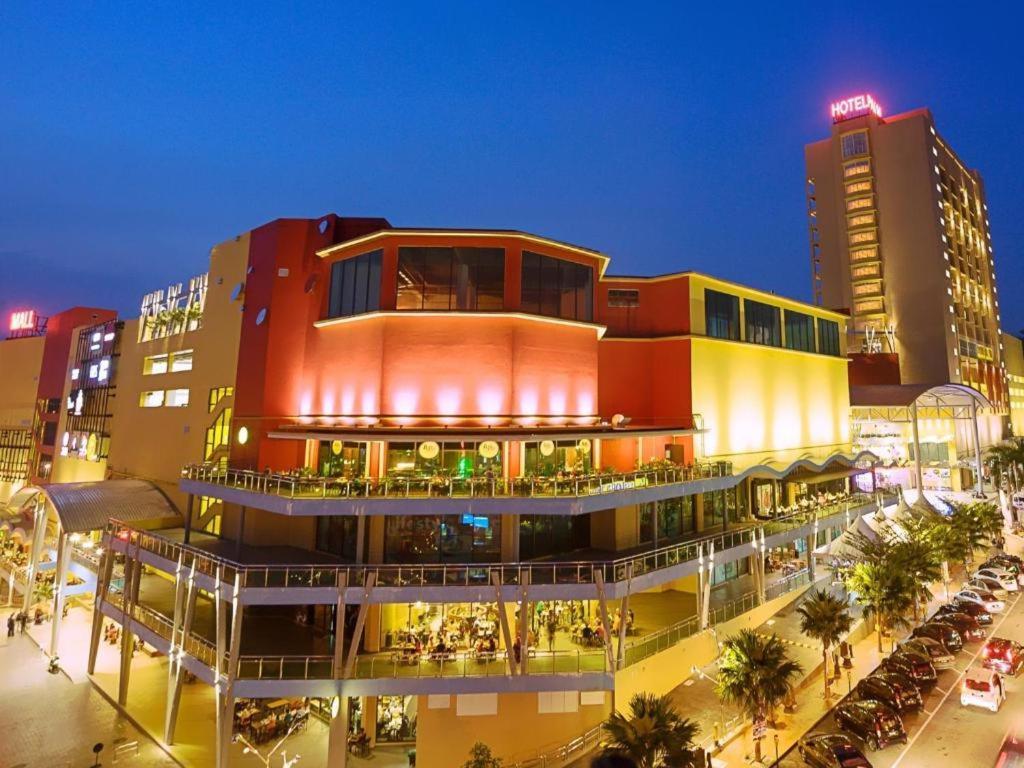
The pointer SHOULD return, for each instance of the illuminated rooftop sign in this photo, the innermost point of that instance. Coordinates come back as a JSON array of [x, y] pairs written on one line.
[[24, 320], [855, 106]]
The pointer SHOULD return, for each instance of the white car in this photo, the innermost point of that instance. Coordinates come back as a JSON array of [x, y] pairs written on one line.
[[982, 688], [983, 598], [986, 584], [1006, 579]]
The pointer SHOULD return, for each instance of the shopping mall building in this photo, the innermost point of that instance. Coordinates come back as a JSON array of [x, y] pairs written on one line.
[[429, 483], [425, 484]]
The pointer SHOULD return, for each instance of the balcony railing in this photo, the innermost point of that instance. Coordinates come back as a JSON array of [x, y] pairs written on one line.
[[298, 486], [476, 575]]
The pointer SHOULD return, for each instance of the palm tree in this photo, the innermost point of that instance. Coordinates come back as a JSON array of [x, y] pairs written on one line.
[[756, 673], [826, 618], [919, 560], [654, 735], [883, 591], [1007, 460]]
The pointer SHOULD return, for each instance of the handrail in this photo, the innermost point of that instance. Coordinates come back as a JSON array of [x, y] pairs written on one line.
[[294, 486], [547, 572]]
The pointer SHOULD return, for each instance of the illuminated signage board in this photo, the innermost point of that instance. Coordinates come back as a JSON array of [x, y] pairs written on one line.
[[855, 106], [24, 320]]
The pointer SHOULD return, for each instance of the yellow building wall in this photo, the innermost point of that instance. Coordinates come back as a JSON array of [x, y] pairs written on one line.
[[155, 443], [20, 362], [518, 731], [762, 403]]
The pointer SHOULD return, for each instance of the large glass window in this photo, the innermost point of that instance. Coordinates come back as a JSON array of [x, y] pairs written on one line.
[[557, 288], [355, 285], [337, 535], [448, 539], [828, 337], [469, 279], [799, 331], [715, 511], [548, 535], [339, 458], [549, 457], [763, 325], [722, 315], [855, 144], [451, 459]]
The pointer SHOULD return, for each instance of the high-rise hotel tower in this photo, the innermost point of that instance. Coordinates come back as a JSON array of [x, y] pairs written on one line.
[[900, 238]]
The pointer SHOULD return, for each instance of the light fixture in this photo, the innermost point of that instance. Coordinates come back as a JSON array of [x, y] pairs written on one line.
[[243, 435]]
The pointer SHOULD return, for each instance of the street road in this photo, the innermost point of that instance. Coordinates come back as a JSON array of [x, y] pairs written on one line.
[[944, 733]]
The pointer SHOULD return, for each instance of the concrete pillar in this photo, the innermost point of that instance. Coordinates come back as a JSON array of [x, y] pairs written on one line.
[[790, 494], [810, 542], [698, 512], [188, 518], [59, 587], [376, 545], [337, 735], [361, 539], [917, 449], [102, 584], [38, 539], [510, 538]]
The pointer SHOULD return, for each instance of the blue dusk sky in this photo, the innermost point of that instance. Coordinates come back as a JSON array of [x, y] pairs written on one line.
[[134, 137]]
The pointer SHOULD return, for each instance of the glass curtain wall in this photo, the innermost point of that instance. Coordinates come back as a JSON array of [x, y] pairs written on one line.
[[557, 288], [355, 285], [337, 458], [442, 539], [549, 457], [763, 325], [467, 279], [721, 315], [454, 459], [552, 535]]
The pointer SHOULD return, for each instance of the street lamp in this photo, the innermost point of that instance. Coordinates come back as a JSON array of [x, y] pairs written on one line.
[[776, 737]]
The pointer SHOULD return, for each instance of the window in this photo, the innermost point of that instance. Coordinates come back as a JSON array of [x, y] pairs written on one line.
[[864, 254], [861, 219], [763, 325], [153, 399], [176, 398], [216, 395], [856, 169], [869, 288], [871, 270], [867, 307], [799, 331], [862, 237], [854, 144], [557, 288], [858, 203], [858, 186], [623, 297], [722, 315], [468, 279], [181, 361], [355, 285], [154, 364]]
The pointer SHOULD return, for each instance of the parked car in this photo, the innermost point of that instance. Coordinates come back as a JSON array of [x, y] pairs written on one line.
[[873, 722], [1002, 655], [1006, 557], [985, 599], [831, 750], [986, 584], [892, 688], [942, 633], [1007, 580], [967, 626], [932, 650], [971, 609], [913, 665], [982, 688]]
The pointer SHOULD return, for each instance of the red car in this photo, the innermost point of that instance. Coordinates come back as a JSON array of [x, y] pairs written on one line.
[[1002, 655]]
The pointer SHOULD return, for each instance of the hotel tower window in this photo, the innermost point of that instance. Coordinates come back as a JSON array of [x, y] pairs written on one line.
[[855, 144], [469, 279], [722, 315], [557, 288], [355, 285], [799, 331], [763, 326]]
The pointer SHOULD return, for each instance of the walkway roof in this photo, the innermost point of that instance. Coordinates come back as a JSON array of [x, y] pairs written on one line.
[[904, 395], [83, 507]]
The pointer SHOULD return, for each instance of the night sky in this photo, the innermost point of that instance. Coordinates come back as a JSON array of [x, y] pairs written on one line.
[[131, 141]]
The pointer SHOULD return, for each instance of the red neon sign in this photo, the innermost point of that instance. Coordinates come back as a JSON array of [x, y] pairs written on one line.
[[24, 320], [855, 106]]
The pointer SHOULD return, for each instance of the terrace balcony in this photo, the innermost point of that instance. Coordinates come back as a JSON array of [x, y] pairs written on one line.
[[282, 575], [300, 493]]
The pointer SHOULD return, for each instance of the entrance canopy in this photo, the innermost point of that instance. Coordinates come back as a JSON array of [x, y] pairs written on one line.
[[893, 402]]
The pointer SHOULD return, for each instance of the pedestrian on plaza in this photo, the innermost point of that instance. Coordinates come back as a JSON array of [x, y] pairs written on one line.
[[10, 625], [22, 621], [836, 663]]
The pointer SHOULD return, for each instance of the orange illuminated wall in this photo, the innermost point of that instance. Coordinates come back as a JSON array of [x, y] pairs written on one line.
[[663, 306], [450, 365]]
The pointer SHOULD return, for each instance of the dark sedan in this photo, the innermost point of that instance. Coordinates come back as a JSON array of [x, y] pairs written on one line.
[[944, 633], [873, 722], [967, 626], [915, 666], [974, 610], [892, 688], [831, 750]]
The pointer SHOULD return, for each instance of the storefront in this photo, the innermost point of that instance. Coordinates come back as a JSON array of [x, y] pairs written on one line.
[[396, 719]]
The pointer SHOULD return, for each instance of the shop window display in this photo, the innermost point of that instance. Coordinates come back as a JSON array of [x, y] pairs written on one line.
[[396, 718], [337, 458], [549, 458]]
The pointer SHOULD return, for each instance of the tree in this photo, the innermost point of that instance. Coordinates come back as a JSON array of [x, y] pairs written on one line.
[[755, 673], [826, 618], [973, 525], [1007, 460], [480, 757], [654, 735], [883, 591]]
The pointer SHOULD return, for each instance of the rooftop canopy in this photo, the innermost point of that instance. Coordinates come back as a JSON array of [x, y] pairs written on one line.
[[923, 395]]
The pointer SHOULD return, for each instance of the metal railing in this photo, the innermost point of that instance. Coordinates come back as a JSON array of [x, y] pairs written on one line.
[[299, 486], [474, 575], [560, 755]]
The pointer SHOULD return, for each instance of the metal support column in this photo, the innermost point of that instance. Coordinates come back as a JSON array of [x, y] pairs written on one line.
[[357, 635], [38, 539], [506, 632], [227, 718], [131, 595], [623, 619], [524, 624], [978, 490], [60, 586], [602, 609], [181, 630], [917, 450], [221, 642], [338, 667], [102, 585]]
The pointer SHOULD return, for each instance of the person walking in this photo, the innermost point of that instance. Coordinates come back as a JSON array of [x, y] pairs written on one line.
[[22, 621], [10, 625]]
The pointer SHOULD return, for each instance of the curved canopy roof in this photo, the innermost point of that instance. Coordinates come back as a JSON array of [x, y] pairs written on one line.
[[83, 507], [904, 395]]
